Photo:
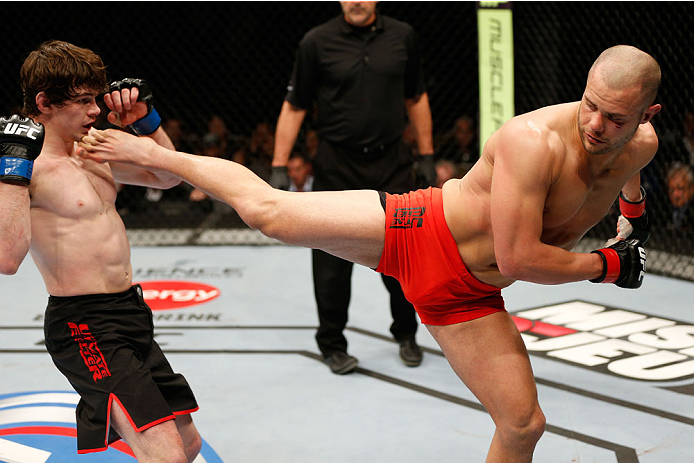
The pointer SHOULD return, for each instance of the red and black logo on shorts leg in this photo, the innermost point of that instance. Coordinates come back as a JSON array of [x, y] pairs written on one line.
[[91, 354], [408, 217]]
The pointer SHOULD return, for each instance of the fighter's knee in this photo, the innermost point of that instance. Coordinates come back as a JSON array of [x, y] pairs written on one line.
[[270, 217], [526, 428], [193, 447], [536, 425], [261, 214]]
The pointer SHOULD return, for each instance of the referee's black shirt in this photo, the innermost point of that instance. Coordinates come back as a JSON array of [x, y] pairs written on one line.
[[360, 77]]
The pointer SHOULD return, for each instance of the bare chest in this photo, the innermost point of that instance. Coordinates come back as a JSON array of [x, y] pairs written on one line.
[[574, 207], [73, 189]]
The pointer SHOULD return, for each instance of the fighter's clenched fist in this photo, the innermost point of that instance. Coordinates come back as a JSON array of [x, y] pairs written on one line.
[[122, 99]]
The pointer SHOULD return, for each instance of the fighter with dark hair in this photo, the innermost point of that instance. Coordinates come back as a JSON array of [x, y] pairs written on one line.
[[61, 208]]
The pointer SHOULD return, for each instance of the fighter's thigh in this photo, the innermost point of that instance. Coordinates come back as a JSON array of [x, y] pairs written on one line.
[[159, 441], [346, 224], [489, 356]]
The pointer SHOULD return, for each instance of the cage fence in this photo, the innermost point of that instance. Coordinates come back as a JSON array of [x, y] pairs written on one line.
[[219, 71]]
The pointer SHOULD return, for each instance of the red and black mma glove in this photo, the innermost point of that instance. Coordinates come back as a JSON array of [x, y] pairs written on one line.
[[151, 122], [623, 263], [21, 140], [635, 213]]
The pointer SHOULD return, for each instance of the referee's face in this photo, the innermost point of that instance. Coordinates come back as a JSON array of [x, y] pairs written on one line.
[[359, 13]]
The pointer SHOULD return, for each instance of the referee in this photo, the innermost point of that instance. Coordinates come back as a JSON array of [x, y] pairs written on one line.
[[363, 69]]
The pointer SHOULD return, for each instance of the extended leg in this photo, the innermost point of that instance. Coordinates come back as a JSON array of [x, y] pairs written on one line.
[[347, 224]]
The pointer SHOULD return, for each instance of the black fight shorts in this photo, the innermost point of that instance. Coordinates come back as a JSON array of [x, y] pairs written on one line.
[[104, 345]]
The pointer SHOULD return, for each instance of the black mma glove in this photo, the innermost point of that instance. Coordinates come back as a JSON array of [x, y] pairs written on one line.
[[635, 214], [21, 140], [623, 263], [151, 122], [279, 178], [426, 171]]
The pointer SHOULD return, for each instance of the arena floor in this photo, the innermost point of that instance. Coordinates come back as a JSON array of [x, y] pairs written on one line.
[[614, 368]]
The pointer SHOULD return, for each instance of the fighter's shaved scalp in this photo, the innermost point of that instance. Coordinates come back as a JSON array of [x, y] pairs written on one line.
[[624, 66]]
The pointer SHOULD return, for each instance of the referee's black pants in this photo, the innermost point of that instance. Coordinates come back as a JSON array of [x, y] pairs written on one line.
[[335, 168], [332, 281]]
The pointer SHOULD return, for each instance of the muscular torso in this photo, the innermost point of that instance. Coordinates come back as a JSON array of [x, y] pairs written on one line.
[[579, 196], [78, 240]]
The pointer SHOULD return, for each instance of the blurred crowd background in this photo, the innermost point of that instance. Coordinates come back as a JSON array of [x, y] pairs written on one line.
[[219, 71]]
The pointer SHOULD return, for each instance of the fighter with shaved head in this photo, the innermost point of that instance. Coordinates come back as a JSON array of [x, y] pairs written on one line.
[[543, 180]]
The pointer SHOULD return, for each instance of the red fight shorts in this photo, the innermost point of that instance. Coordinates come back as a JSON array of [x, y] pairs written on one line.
[[421, 253]]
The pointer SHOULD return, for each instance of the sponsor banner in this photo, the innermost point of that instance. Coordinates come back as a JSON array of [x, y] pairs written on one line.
[[176, 294], [39, 427], [165, 295], [613, 341], [495, 48]]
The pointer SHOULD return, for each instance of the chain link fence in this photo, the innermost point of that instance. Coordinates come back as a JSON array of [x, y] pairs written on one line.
[[219, 71]]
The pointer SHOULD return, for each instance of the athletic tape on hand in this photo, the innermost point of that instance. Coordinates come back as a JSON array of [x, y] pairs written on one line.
[[624, 229]]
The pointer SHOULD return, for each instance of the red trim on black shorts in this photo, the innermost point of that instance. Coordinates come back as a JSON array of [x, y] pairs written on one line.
[[187, 412], [118, 444], [132, 423]]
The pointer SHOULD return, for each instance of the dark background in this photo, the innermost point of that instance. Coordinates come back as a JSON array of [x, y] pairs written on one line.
[[234, 59]]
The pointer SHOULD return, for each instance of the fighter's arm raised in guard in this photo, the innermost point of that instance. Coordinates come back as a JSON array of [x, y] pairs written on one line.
[[21, 141], [130, 102]]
